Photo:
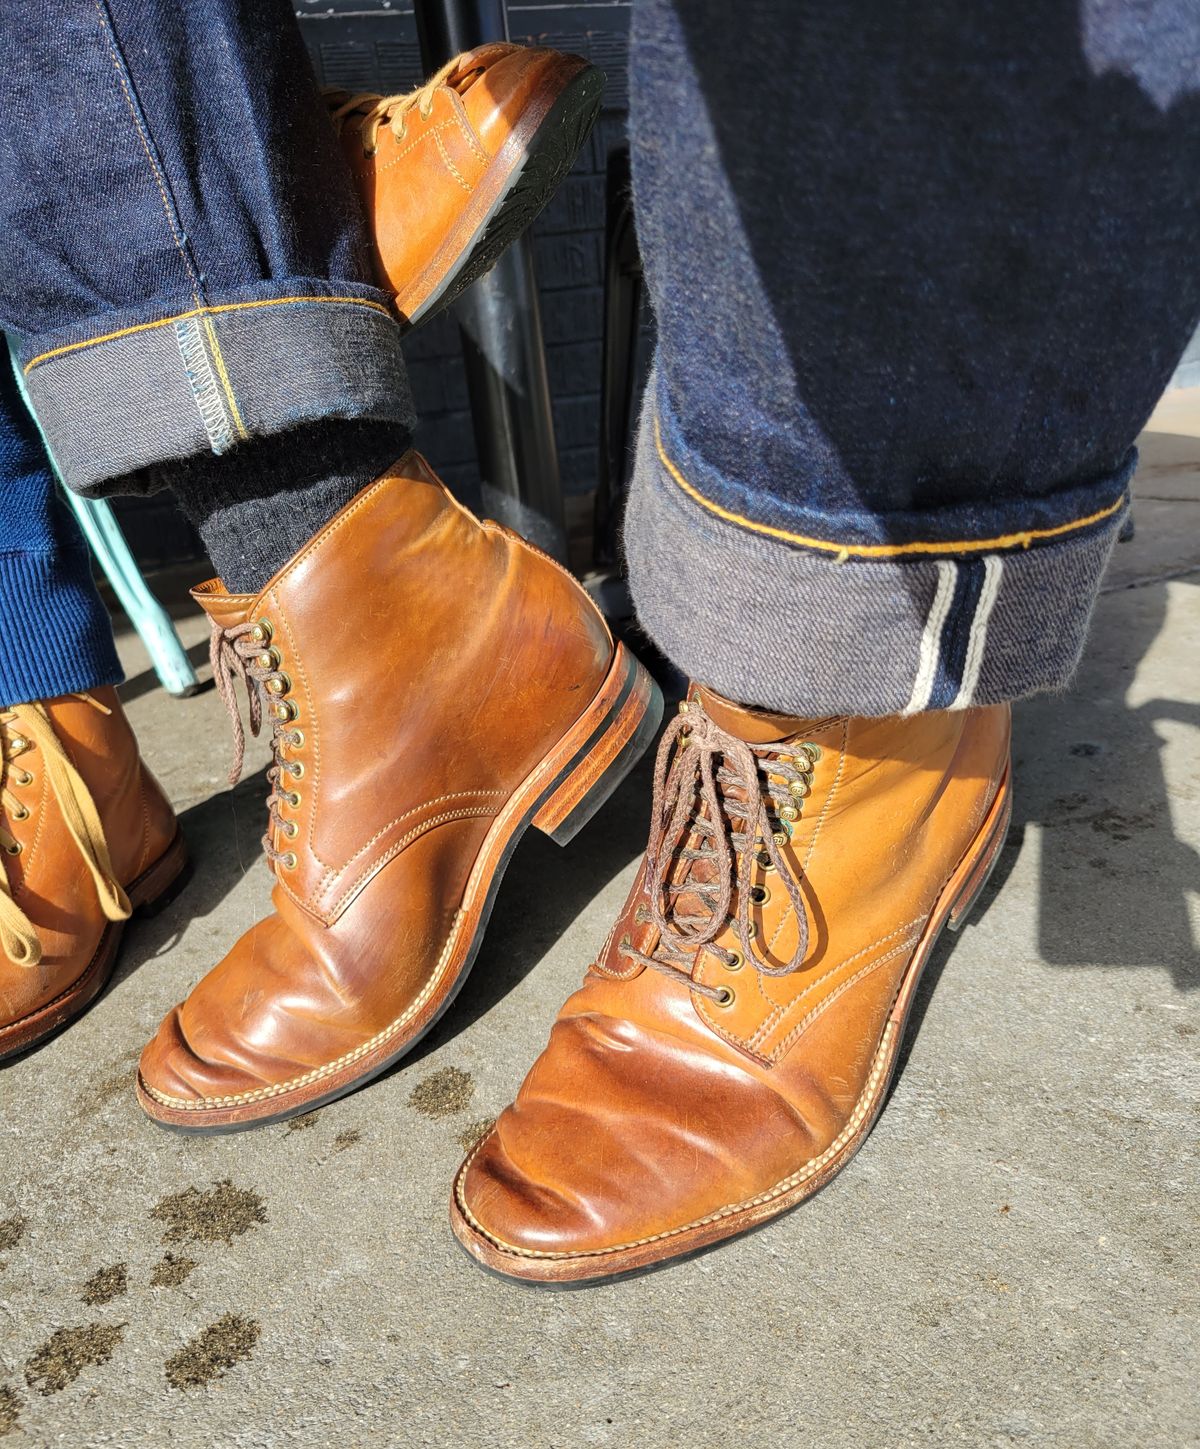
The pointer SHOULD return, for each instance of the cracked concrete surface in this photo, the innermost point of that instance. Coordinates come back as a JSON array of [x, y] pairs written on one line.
[[1010, 1259]]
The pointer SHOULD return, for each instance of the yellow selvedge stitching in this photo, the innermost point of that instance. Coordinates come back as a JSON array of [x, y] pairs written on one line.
[[264, 1093], [203, 311], [883, 550], [219, 360], [809, 1169]]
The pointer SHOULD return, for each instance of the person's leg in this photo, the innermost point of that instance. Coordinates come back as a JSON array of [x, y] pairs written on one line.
[[55, 628], [191, 282], [920, 273], [85, 833]]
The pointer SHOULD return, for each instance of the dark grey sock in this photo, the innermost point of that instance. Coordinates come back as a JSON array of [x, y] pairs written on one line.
[[258, 504]]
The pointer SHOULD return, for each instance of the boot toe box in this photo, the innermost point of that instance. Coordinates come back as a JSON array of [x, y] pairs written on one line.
[[621, 1138]]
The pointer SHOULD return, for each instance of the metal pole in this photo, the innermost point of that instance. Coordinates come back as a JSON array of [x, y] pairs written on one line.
[[501, 324]]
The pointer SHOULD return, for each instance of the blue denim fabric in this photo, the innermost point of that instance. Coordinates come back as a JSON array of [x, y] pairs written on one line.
[[182, 255], [920, 273], [55, 637]]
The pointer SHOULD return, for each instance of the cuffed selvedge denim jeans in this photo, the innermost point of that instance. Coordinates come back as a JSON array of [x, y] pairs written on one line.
[[920, 273], [182, 256]]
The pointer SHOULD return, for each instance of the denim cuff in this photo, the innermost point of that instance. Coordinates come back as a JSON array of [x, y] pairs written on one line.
[[190, 377], [56, 631], [817, 630]]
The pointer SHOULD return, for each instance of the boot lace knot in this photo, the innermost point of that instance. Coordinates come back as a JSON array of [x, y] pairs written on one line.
[[26, 729], [245, 652], [721, 806]]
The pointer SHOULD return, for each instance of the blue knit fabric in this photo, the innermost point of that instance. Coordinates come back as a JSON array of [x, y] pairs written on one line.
[[55, 636]]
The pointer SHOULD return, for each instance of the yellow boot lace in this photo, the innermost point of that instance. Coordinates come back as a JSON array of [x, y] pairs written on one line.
[[395, 110], [24, 728]]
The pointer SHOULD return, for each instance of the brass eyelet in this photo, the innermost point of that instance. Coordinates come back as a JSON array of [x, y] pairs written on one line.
[[799, 788], [14, 849], [296, 769], [269, 659], [781, 837], [293, 799], [296, 739], [789, 812], [281, 684], [291, 829], [288, 861], [764, 858], [726, 998], [731, 922], [262, 632], [760, 895], [812, 751], [19, 744], [285, 710], [21, 814], [735, 961]]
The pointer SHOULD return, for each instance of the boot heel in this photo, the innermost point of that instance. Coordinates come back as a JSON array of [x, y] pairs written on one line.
[[972, 888], [158, 886], [618, 729]]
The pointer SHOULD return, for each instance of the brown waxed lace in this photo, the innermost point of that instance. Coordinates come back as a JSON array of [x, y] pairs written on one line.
[[28, 727], [715, 789], [395, 110], [235, 655]]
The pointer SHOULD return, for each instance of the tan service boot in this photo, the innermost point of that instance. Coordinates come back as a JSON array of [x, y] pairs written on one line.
[[86, 837], [453, 173], [435, 686], [732, 1045]]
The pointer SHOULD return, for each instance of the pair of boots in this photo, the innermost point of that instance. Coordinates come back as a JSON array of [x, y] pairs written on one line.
[[434, 686]]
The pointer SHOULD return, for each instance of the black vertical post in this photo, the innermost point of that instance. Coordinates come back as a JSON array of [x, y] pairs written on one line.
[[501, 324]]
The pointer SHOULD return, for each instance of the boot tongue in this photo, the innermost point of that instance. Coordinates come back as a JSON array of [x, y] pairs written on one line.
[[755, 726], [225, 609]]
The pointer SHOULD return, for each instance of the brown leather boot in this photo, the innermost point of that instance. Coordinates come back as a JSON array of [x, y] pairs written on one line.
[[435, 686], [453, 173], [86, 837], [732, 1045]]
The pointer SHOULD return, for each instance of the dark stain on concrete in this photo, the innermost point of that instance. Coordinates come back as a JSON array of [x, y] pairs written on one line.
[[12, 1230], [10, 1410], [219, 1215], [67, 1352], [218, 1347], [349, 1138], [1183, 1030], [442, 1093], [303, 1123], [474, 1132], [117, 1082], [170, 1271], [106, 1284]]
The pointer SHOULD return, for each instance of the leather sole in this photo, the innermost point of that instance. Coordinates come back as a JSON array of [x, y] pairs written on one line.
[[566, 1270], [559, 797], [517, 185], [154, 889]]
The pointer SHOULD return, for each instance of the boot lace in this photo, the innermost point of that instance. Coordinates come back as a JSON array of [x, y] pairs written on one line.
[[244, 652], [25, 728], [394, 110], [720, 807]]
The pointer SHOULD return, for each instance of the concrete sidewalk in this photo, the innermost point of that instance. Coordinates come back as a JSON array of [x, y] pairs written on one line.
[[1009, 1260]]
